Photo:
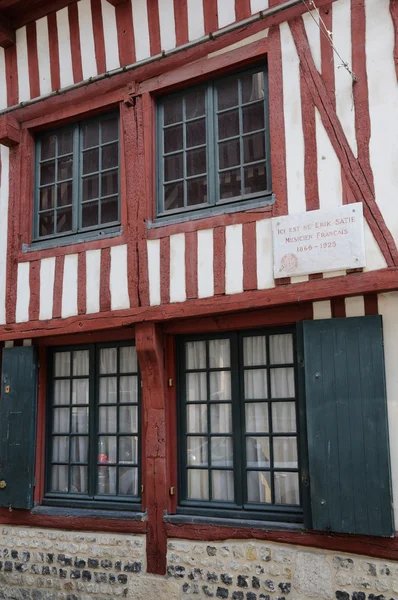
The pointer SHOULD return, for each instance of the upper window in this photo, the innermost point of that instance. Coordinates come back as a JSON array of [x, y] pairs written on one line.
[[94, 424], [213, 144], [239, 427], [77, 178]]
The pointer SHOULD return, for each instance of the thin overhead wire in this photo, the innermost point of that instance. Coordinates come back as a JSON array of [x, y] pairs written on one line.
[[328, 35]]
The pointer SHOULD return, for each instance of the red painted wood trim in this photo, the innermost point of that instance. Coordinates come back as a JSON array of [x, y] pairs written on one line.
[[58, 286], [386, 548], [219, 260], [41, 427], [171, 422], [371, 304], [125, 33], [10, 55], [150, 350], [75, 43], [54, 51], [15, 165], [269, 317], [384, 280], [249, 256], [181, 21], [26, 192], [310, 155], [327, 54], [338, 308], [33, 61], [191, 264], [105, 292], [88, 338], [210, 222], [394, 15], [81, 283], [210, 13], [242, 9], [99, 41], [165, 270], [34, 284], [352, 169], [154, 27], [277, 122]]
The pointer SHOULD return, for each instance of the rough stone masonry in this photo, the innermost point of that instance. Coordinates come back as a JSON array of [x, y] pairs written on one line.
[[48, 564]]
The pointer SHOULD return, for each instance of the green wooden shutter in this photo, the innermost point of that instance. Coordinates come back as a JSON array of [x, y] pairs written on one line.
[[18, 426], [348, 449]]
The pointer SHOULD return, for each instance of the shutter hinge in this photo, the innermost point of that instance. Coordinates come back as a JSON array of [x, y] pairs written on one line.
[[142, 489], [172, 490], [170, 382]]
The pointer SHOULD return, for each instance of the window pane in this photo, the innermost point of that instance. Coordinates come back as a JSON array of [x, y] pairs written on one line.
[[283, 417], [195, 104], [196, 191], [196, 133], [221, 418], [62, 391], [228, 124], [90, 214], [90, 134], [229, 154], [79, 449], [90, 187], [61, 420], [64, 220], [128, 449], [198, 484], [107, 419], [47, 198], [220, 386], [282, 383], [110, 130], [109, 183], [196, 387], [107, 449], [195, 355], [197, 418], [62, 364], [80, 420], [285, 453], [110, 156], [172, 110], [46, 224], [197, 451], [287, 488], [223, 485], [221, 452], [254, 147], [109, 210], [108, 390], [128, 359], [128, 481], [64, 194], [281, 348], [173, 139], [59, 479], [128, 419], [230, 184], [257, 452], [173, 167], [256, 384], [227, 94], [219, 354], [47, 173], [257, 417], [65, 142], [48, 147], [173, 196], [90, 161], [80, 391], [196, 162], [65, 168], [252, 87], [107, 480], [254, 351], [253, 117], [255, 179], [128, 389], [108, 360], [60, 449], [81, 362], [259, 487]]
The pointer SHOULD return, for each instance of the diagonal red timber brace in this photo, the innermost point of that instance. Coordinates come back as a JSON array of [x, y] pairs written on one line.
[[362, 190], [394, 16]]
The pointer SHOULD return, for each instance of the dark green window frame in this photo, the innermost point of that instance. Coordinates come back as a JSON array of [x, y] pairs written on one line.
[[214, 204], [92, 499], [241, 508], [77, 230]]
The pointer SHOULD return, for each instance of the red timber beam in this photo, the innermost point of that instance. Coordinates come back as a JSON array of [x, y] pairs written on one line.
[[394, 16], [150, 351], [355, 173], [7, 34]]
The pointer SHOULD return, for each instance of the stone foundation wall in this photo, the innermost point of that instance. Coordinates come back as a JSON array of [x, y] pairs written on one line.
[[261, 571]]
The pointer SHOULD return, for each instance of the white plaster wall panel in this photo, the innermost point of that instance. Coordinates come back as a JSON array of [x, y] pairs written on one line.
[[257, 5], [177, 268], [322, 309], [233, 259], [141, 29], [87, 46], [4, 189], [118, 279], [331, 274], [22, 64], [226, 12], [355, 306], [264, 255], [205, 263], [293, 123], [23, 293], [110, 35], [43, 56], [93, 272], [167, 25], [69, 286], [64, 45], [343, 81], [311, 24], [47, 277], [383, 106], [196, 19], [374, 256], [299, 279], [3, 82], [388, 308], [329, 169], [153, 249]]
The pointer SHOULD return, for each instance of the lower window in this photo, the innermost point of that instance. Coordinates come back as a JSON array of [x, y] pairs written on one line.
[[94, 425], [238, 425]]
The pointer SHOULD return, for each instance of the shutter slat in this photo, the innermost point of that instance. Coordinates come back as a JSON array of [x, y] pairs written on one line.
[[346, 407]]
